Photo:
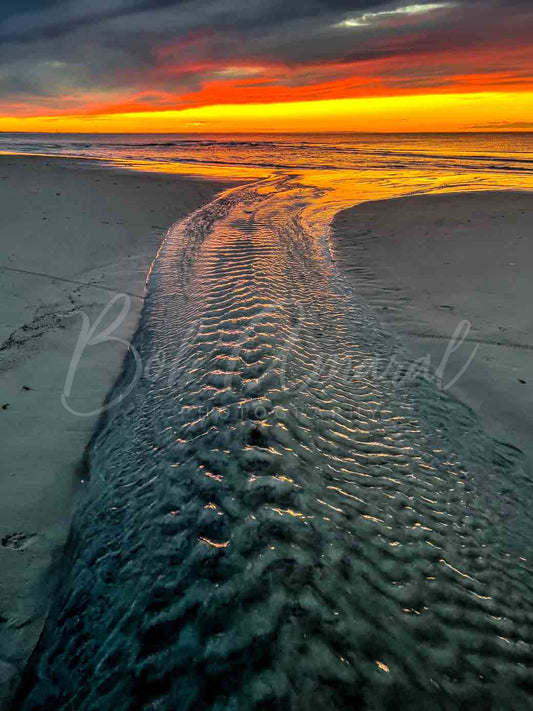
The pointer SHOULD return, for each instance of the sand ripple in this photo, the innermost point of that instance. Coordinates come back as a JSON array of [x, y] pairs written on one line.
[[269, 524]]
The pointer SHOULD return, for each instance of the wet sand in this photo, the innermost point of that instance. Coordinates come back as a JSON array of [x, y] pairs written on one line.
[[427, 263], [73, 234], [259, 536]]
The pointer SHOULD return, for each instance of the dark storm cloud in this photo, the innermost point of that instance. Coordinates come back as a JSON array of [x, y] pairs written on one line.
[[30, 20], [14, 7], [57, 49]]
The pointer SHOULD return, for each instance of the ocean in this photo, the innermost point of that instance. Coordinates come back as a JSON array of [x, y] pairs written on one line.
[[283, 512], [262, 154]]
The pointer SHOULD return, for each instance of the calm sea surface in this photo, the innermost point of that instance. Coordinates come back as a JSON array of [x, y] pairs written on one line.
[[477, 151]]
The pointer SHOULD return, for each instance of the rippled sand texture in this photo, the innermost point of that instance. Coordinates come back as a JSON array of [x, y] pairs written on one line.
[[270, 525]]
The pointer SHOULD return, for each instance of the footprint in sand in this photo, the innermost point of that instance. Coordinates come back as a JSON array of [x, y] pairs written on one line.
[[18, 541]]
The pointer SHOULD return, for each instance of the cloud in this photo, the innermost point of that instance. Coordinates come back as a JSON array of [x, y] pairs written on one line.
[[503, 125], [405, 11], [105, 55]]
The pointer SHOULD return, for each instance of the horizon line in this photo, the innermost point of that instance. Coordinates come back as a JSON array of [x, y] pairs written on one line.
[[266, 133]]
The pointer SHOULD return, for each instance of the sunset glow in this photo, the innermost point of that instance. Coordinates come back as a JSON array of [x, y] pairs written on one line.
[[438, 112], [140, 66]]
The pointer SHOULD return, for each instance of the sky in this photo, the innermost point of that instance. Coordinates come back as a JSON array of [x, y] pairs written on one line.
[[266, 65]]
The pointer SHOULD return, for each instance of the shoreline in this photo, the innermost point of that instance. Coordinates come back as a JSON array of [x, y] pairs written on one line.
[[427, 263], [74, 234]]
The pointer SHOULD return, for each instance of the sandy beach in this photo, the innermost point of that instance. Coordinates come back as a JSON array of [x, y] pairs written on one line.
[[196, 517], [427, 263], [73, 235]]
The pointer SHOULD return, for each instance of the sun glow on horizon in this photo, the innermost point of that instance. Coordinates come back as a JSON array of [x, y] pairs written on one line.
[[397, 114], [385, 66]]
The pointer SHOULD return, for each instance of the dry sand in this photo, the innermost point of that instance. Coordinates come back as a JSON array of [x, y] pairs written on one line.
[[72, 235], [426, 263]]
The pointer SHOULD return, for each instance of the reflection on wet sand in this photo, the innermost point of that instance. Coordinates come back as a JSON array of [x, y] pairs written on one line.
[[273, 519]]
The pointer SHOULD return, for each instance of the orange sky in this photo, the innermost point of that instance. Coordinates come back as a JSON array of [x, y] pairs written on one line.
[[440, 66], [433, 112]]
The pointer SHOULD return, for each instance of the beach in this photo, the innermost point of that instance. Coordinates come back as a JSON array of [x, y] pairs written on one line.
[[263, 533], [234, 503], [427, 263], [266, 373], [74, 234]]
